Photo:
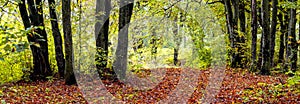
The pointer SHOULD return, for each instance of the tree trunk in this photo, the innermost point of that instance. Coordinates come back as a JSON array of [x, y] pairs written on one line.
[[286, 35], [101, 34], [176, 40], [39, 48], [232, 20], [57, 39], [292, 45], [242, 45], [254, 35], [259, 19], [266, 61], [154, 43], [283, 30], [69, 74], [273, 31], [120, 65]]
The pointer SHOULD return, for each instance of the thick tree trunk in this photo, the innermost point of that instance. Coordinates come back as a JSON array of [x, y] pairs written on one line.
[[69, 74], [266, 61], [120, 65], [273, 31], [292, 45], [254, 35], [57, 39], [101, 34], [40, 53]]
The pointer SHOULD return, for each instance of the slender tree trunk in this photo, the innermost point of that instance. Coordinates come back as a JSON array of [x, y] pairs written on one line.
[[273, 31], [259, 61], [57, 39], [228, 12], [286, 35], [154, 43], [266, 65], [237, 40], [254, 35], [42, 32], [282, 32], [120, 65], [101, 34], [69, 74], [292, 46], [242, 45], [242, 18], [176, 40]]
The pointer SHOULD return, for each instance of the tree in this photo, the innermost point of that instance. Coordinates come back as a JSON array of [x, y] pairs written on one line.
[[254, 34], [177, 36], [273, 31], [57, 39], [282, 35], [232, 17], [69, 74], [125, 12], [292, 45], [154, 43], [37, 36], [266, 60], [101, 34], [177, 42]]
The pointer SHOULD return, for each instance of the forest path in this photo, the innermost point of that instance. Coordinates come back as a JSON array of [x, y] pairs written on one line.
[[238, 86]]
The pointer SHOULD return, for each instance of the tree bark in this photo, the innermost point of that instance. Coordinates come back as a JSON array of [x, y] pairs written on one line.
[[101, 34], [39, 48], [273, 31], [57, 39], [120, 65], [266, 61], [154, 43], [232, 25], [242, 45], [281, 42], [176, 40], [254, 34], [69, 74], [292, 45]]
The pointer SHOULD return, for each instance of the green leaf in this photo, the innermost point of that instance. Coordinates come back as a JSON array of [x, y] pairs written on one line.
[[36, 44], [7, 48], [26, 45]]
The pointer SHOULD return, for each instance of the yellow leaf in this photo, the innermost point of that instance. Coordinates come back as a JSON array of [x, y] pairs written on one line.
[[261, 84], [290, 37]]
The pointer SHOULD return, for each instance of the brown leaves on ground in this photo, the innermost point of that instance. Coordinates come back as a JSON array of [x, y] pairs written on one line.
[[237, 86]]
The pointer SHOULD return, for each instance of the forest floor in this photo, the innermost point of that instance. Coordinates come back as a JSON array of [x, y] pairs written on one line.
[[236, 86]]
